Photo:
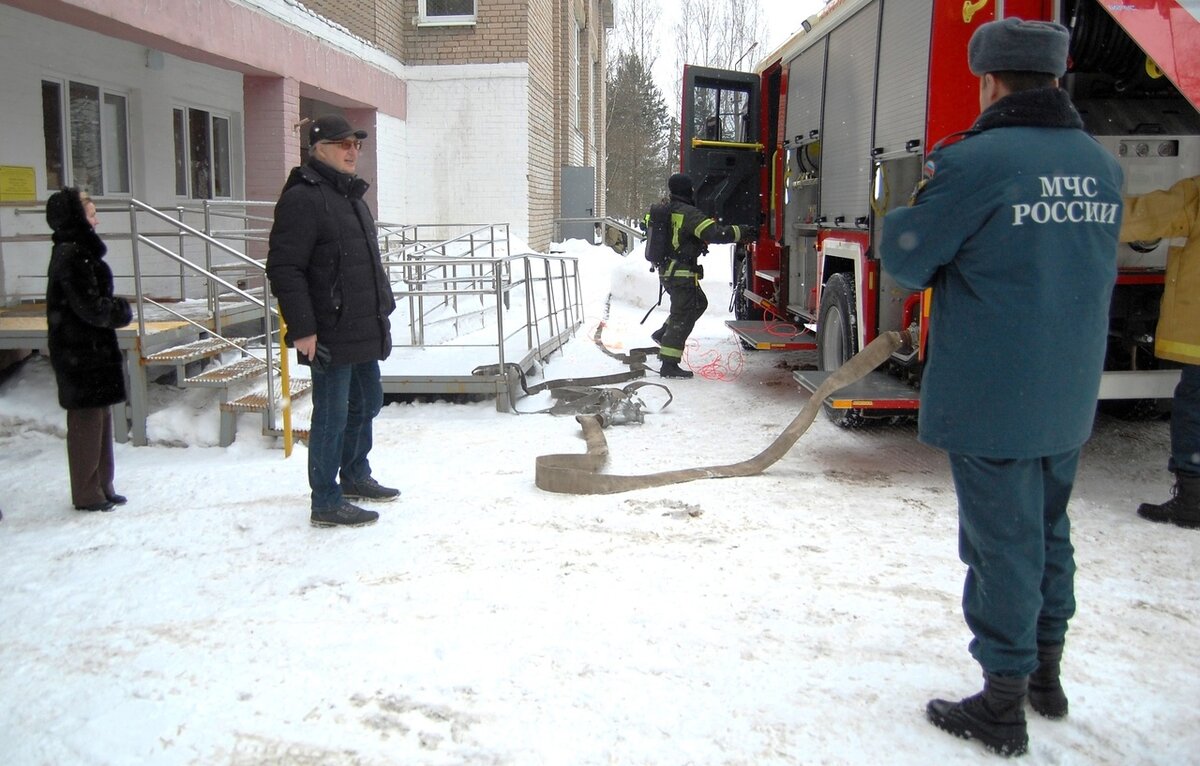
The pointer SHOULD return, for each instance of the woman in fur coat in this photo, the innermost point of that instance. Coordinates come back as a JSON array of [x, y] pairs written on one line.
[[83, 316]]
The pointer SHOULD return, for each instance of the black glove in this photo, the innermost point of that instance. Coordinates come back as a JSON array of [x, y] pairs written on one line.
[[321, 362]]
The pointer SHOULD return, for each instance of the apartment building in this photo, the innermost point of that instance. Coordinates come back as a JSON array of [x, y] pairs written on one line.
[[480, 111]]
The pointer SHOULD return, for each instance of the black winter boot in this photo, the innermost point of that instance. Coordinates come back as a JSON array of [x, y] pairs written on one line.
[[1046, 694], [995, 716], [1183, 509], [671, 369], [657, 335]]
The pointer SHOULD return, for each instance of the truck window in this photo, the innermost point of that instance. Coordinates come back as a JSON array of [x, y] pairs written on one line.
[[720, 113]]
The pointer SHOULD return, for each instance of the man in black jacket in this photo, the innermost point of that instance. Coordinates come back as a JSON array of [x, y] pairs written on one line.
[[326, 273], [691, 231]]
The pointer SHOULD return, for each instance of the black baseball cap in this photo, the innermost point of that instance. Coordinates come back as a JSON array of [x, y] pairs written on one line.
[[332, 127]]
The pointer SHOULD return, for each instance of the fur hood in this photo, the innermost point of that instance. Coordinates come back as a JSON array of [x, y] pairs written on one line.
[[68, 221]]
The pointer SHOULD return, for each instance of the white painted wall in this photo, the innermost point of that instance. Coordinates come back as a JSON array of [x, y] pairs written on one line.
[[392, 167], [461, 157], [33, 48], [468, 145]]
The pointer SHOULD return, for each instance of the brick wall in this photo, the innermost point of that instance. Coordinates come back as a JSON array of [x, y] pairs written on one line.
[[379, 22], [544, 102], [499, 35], [538, 32]]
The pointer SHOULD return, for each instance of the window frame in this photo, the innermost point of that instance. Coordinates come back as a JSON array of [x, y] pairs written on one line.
[[425, 19], [111, 157], [214, 163]]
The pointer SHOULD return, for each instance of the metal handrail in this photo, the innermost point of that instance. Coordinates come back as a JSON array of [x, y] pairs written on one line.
[[269, 313], [470, 276]]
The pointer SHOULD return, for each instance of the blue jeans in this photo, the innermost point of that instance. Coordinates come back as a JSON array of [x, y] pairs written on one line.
[[1015, 538], [346, 398], [1185, 423]]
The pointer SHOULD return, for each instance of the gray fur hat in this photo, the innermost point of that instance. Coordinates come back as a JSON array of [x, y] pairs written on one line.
[[1016, 45]]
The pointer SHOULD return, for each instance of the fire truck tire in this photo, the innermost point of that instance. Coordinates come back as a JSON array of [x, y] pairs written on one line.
[[743, 308], [837, 337]]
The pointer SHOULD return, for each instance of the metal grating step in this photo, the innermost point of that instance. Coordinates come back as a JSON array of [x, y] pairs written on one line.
[[257, 401], [220, 377], [298, 434], [204, 348]]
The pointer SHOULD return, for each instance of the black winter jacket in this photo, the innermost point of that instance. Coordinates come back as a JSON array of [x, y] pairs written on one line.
[[693, 230], [81, 312], [324, 265]]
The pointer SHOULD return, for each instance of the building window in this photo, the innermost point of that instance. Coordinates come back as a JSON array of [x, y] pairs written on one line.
[[202, 163], [86, 134], [447, 11]]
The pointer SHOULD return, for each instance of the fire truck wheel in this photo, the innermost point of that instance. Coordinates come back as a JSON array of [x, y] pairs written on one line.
[[837, 338], [744, 309]]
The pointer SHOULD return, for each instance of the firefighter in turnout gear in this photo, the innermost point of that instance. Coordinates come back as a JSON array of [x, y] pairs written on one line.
[[1175, 212], [691, 232]]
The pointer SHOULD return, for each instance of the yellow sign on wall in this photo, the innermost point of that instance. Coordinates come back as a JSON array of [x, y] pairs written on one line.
[[17, 184]]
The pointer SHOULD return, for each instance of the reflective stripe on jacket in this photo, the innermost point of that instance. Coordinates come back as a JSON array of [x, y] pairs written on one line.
[[1173, 213]]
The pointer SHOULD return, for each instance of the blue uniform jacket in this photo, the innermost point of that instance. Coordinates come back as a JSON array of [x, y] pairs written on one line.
[[1015, 229]]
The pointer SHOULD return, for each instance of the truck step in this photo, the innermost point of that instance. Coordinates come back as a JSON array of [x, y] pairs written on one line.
[[773, 335]]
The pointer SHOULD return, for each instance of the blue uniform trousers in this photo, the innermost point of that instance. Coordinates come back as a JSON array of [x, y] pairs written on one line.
[[1015, 538], [1185, 423]]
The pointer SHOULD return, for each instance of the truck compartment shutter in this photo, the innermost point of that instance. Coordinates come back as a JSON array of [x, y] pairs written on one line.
[[846, 133], [903, 73]]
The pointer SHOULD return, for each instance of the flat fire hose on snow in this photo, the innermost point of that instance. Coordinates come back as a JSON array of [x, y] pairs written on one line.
[[579, 474]]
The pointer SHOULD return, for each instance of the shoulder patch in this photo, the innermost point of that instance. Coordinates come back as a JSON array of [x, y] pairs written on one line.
[[927, 171]]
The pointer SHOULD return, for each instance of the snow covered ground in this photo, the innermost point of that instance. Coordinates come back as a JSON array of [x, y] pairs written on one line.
[[803, 616]]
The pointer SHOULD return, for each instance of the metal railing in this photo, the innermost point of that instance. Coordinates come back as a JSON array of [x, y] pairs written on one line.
[[618, 235], [449, 278]]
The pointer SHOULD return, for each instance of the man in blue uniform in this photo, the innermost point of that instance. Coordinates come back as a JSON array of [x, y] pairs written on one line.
[[1014, 226]]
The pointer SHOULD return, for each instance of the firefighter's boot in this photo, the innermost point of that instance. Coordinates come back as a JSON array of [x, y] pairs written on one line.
[[1046, 694], [671, 369], [657, 335], [995, 716], [1183, 509]]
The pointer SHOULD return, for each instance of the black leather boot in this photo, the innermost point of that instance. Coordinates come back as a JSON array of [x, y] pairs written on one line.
[[1046, 694], [1183, 509], [995, 716]]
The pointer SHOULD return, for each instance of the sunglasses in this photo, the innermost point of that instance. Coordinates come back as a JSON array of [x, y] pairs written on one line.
[[346, 143]]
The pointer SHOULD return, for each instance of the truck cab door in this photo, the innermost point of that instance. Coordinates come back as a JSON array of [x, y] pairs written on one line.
[[721, 148]]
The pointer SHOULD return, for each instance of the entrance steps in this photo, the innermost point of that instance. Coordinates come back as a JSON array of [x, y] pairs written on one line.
[[225, 377]]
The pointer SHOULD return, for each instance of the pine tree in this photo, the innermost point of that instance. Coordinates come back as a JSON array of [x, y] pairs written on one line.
[[638, 139]]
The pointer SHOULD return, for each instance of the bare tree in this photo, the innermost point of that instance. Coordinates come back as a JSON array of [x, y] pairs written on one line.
[[717, 33], [637, 30]]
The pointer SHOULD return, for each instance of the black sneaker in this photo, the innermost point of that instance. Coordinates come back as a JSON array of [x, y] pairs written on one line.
[[345, 515], [368, 489]]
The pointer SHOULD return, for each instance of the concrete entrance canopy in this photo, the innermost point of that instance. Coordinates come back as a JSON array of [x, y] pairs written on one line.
[[236, 37]]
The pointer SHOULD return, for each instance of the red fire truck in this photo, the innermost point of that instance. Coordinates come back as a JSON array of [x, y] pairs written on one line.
[[831, 130]]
